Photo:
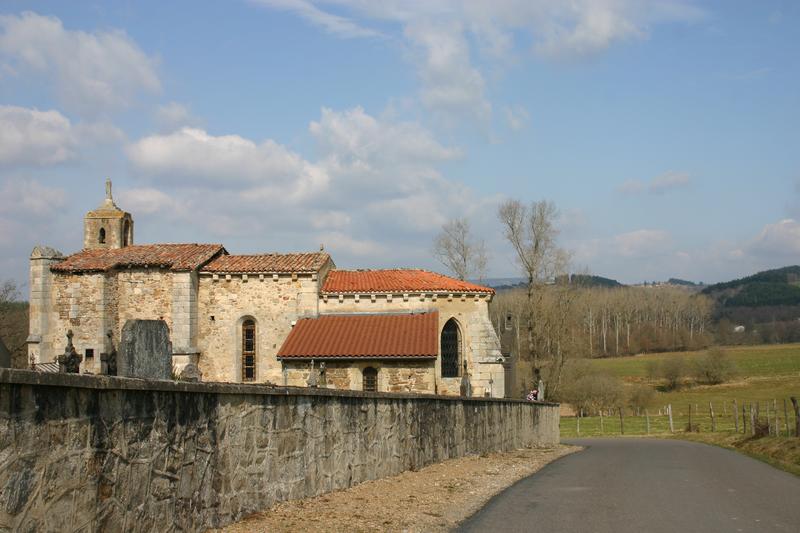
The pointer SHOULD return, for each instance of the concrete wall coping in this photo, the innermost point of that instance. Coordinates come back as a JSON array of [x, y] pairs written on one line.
[[88, 381]]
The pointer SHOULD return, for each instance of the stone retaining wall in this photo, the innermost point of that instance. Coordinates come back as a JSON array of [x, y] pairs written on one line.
[[92, 453]]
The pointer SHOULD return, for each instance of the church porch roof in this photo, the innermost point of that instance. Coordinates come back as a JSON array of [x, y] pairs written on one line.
[[371, 336]]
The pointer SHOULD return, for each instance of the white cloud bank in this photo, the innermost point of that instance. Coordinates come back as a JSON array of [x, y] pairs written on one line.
[[33, 137], [91, 72], [445, 35], [373, 181]]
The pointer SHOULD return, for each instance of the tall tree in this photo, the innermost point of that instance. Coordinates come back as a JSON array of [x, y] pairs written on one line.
[[532, 232], [458, 250]]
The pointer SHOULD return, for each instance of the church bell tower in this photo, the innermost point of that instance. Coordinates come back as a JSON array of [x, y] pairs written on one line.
[[108, 226]]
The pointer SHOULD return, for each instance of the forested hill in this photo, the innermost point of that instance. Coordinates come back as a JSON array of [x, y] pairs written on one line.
[[587, 280], [778, 287]]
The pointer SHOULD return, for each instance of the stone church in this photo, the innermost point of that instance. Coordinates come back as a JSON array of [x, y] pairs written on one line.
[[286, 319]]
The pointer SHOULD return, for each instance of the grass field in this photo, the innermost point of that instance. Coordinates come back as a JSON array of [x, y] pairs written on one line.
[[765, 374]]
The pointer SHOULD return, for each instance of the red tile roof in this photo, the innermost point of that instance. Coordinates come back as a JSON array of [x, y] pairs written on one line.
[[398, 280], [306, 262], [364, 336], [177, 257]]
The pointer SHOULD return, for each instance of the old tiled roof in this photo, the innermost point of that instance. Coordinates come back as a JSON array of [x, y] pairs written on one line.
[[364, 336], [307, 262], [178, 257], [398, 280]]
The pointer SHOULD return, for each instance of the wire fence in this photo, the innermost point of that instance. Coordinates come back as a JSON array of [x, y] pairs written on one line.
[[774, 417]]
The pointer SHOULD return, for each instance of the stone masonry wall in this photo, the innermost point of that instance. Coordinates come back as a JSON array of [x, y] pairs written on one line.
[[274, 303], [93, 453], [393, 376], [481, 347], [92, 303]]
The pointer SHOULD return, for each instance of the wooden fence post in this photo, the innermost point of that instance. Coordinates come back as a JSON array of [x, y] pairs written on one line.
[[786, 418], [744, 418], [669, 411], [735, 416], [621, 422], [713, 422], [752, 420], [578, 424], [777, 418], [690, 418], [796, 416], [647, 420]]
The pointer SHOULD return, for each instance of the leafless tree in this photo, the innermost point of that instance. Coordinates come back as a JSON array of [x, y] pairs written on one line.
[[531, 231], [458, 250]]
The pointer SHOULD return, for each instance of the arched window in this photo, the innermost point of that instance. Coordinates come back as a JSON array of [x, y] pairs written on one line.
[[125, 232], [370, 379], [102, 238], [248, 350], [451, 349]]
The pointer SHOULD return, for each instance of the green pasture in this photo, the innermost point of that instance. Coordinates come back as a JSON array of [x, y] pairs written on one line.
[[751, 361], [766, 375]]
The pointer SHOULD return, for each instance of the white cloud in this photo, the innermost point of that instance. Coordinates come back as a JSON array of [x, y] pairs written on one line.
[[780, 240], [451, 85], [334, 24], [28, 197], [147, 200], [443, 34], [517, 117], [373, 188], [33, 137], [193, 154], [658, 185], [642, 243], [92, 72], [174, 115]]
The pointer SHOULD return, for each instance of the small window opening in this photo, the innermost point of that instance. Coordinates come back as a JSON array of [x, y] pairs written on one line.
[[102, 238], [125, 232], [370, 379], [248, 350], [89, 353]]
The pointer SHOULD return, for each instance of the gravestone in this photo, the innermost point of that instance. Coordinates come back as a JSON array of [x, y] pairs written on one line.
[[145, 350]]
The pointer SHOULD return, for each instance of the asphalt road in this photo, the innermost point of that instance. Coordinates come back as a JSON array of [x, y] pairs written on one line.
[[646, 485]]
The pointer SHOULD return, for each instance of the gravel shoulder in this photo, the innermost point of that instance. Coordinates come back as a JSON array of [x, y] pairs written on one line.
[[435, 498]]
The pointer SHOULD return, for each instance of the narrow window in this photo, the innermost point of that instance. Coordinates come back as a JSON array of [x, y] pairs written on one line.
[[248, 350], [102, 238], [89, 353], [370, 379], [125, 232], [451, 349]]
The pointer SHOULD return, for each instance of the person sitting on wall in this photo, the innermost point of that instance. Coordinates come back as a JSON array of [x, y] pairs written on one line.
[[533, 395]]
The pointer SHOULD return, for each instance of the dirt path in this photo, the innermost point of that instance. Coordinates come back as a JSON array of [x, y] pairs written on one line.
[[435, 498]]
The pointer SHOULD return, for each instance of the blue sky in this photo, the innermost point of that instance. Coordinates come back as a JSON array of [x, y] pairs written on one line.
[[666, 131]]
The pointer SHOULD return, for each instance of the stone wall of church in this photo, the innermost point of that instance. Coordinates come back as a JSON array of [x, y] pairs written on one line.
[[481, 347], [92, 303], [393, 376], [273, 302]]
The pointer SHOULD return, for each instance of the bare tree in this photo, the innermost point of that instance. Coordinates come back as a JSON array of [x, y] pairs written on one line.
[[456, 248], [532, 233]]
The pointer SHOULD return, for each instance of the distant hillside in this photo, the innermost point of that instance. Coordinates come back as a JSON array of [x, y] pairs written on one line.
[[778, 287], [683, 282], [587, 280]]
